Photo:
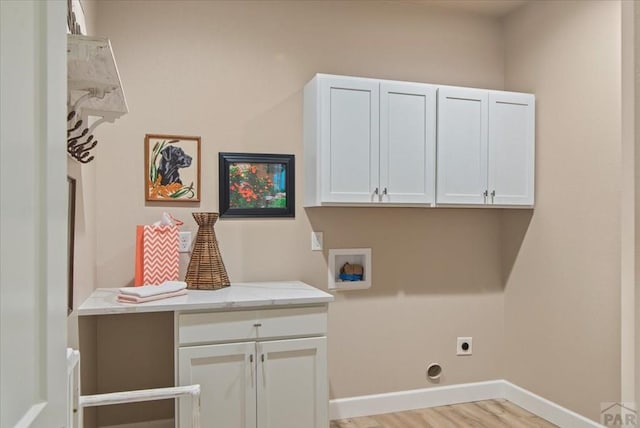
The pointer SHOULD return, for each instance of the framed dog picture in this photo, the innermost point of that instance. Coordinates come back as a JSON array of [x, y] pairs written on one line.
[[256, 185], [172, 168]]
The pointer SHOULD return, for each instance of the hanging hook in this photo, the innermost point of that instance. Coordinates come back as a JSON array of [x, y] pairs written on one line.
[[78, 149]]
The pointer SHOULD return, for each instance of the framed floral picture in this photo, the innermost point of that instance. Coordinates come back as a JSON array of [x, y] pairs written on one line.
[[172, 168], [256, 185]]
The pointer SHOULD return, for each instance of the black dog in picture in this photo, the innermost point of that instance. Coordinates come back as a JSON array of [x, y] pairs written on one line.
[[173, 158]]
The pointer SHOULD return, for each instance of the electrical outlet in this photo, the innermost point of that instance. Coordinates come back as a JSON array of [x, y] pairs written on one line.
[[316, 241], [184, 242], [464, 346]]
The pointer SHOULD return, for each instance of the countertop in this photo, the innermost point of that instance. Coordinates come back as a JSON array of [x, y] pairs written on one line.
[[244, 295]]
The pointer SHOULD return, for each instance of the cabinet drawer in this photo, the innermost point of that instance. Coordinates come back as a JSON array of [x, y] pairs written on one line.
[[210, 327], [275, 323], [200, 328]]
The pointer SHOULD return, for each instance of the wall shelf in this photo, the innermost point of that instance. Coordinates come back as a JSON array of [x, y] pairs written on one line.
[[94, 90]]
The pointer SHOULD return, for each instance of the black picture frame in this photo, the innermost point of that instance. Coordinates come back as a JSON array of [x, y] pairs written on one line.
[[71, 228], [250, 182]]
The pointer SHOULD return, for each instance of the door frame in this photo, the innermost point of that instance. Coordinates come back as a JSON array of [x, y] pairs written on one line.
[[33, 84]]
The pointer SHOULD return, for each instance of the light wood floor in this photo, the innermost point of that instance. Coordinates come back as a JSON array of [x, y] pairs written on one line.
[[488, 414]]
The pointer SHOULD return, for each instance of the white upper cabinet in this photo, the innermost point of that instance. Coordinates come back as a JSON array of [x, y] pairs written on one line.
[[486, 143], [380, 142], [462, 145], [369, 141], [511, 148], [407, 142], [344, 145]]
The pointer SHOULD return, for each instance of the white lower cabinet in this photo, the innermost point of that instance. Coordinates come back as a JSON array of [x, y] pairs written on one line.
[[257, 381], [292, 388], [227, 377]]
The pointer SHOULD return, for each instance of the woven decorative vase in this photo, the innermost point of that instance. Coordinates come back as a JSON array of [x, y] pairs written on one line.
[[206, 270]]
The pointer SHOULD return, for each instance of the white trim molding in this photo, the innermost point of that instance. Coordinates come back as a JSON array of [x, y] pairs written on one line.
[[376, 404], [367, 405], [544, 408]]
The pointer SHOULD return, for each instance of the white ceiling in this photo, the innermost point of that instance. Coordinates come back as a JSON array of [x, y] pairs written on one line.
[[494, 8]]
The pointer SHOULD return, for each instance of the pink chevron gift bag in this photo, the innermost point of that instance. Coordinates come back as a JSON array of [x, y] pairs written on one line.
[[157, 258]]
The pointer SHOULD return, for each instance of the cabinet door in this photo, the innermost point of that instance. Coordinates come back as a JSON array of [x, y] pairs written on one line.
[[349, 132], [407, 142], [292, 384], [511, 148], [462, 146], [226, 374]]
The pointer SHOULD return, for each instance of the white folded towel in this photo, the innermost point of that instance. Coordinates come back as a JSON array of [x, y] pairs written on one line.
[[124, 298], [154, 290]]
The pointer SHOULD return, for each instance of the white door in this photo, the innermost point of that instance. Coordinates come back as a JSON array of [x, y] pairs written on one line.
[[227, 378], [349, 133], [511, 148], [407, 142], [33, 221], [462, 146], [292, 383]]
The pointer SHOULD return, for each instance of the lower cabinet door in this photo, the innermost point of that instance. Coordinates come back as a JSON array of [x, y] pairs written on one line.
[[292, 383], [227, 377]]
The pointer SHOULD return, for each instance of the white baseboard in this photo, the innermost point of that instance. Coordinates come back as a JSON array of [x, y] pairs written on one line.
[[544, 408], [160, 423], [368, 405]]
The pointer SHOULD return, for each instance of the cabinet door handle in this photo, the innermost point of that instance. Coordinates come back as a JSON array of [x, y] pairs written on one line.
[[252, 369], [493, 195], [485, 194], [263, 369], [375, 192], [384, 191], [258, 324]]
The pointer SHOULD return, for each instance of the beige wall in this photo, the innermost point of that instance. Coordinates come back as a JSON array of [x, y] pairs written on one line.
[[636, 131], [233, 73], [628, 205], [562, 298]]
